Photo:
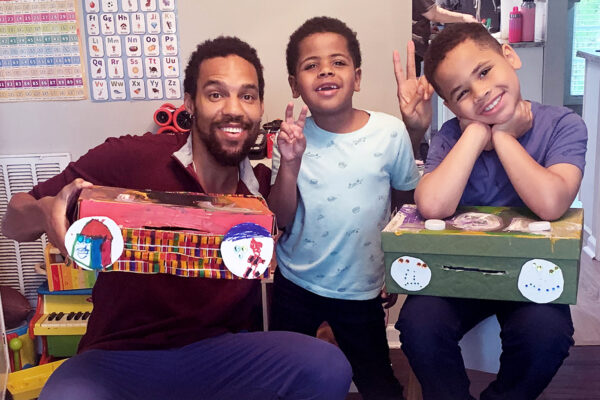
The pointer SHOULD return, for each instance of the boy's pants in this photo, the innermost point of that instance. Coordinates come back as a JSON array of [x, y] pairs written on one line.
[[535, 341], [358, 326], [258, 365]]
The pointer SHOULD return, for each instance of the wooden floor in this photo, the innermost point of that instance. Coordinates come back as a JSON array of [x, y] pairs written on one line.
[[579, 376]]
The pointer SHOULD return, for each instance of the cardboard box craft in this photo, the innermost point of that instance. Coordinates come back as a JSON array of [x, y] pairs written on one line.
[[496, 253], [213, 214], [182, 233]]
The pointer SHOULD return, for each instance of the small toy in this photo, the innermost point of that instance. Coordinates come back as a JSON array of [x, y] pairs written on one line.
[[172, 119]]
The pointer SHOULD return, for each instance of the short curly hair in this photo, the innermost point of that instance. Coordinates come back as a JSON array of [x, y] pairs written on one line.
[[221, 47], [450, 37], [320, 25]]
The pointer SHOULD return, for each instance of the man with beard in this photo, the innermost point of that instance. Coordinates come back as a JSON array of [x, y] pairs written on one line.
[[163, 336]]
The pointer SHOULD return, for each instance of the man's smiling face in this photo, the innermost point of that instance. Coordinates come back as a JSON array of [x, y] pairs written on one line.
[[227, 109]]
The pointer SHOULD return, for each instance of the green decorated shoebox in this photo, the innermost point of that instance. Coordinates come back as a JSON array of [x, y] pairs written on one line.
[[498, 253]]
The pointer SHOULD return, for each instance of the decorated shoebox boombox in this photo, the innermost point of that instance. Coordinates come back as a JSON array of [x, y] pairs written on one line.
[[499, 253], [178, 233]]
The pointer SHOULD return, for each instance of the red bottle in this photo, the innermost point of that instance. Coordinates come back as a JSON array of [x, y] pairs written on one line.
[[515, 25]]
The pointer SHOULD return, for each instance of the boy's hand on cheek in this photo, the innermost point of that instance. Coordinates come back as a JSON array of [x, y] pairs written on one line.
[[291, 140], [481, 132], [520, 122]]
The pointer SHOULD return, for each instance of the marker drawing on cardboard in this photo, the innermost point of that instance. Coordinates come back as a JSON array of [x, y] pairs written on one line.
[[541, 281], [94, 242], [411, 273], [247, 250]]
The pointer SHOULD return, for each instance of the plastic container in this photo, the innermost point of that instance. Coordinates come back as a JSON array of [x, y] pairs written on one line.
[[528, 18], [515, 26]]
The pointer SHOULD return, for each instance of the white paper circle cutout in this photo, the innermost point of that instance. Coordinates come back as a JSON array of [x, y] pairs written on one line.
[[94, 242], [410, 273], [541, 281], [247, 250]]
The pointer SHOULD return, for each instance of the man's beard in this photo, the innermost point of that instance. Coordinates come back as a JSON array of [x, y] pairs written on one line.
[[215, 147]]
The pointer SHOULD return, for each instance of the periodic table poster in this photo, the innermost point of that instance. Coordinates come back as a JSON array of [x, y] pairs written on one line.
[[40, 51], [132, 48]]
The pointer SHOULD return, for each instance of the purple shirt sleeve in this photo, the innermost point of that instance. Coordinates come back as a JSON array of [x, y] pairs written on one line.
[[558, 136]]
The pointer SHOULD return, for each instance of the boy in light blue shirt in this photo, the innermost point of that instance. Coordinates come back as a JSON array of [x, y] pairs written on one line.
[[333, 177]]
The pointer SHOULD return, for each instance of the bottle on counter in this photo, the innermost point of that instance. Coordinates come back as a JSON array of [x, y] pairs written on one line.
[[515, 26], [528, 18]]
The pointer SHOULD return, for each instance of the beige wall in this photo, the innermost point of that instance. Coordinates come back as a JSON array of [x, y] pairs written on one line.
[[74, 127]]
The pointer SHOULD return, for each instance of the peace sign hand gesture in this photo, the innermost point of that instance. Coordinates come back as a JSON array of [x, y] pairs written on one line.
[[414, 95], [291, 140]]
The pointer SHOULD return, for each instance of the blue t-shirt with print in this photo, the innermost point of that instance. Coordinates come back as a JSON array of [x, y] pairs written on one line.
[[333, 245], [558, 135]]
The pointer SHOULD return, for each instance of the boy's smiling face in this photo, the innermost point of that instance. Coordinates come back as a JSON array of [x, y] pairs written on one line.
[[479, 83], [325, 76]]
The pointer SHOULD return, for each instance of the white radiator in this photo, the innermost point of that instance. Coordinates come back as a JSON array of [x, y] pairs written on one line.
[[20, 173]]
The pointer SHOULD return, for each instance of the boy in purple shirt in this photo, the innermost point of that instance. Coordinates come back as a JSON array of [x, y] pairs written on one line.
[[499, 151]]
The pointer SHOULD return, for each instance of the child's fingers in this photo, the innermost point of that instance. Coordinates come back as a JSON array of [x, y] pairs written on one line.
[[302, 117], [412, 103], [289, 113], [411, 72], [398, 71]]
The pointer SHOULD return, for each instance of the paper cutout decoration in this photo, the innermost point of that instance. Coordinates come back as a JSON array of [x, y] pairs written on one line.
[[94, 242], [410, 273], [247, 249], [476, 221], [541, 281]]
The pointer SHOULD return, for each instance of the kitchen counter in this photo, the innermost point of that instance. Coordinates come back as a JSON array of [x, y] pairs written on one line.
[[592, 57]]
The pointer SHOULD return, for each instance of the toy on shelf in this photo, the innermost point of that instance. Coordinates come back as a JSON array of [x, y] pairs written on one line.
[[60, 320], [65, 277], [28, 383], [171, 119], [22, 348]]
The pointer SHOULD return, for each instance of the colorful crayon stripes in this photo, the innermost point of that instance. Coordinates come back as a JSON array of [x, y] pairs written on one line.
[[181, 253]]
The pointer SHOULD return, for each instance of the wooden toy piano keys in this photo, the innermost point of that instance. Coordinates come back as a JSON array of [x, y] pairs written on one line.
[[71, 319]]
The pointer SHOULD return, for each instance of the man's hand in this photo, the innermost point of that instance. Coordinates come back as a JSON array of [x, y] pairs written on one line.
[[291, 140], [414, 95], [388, 299], [519, 123], [55, 212]]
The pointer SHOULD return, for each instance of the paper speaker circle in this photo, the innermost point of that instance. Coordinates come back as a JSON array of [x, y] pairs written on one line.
[[94, 242], [247, 250], [541, 281], [410, 273]]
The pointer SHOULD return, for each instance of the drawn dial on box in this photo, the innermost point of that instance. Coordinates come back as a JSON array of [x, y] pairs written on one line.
[[541, 281], [94, 242], [410, 273], [247, 250]]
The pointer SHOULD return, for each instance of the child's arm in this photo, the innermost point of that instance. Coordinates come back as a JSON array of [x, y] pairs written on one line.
[[438, 193], [414, 97], [548, 192], [283, 198]]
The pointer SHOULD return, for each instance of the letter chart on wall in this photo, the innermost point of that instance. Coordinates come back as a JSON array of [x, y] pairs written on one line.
[[132, 48]]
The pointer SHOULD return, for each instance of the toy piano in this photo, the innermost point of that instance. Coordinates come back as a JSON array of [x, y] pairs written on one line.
[[179, 233], [499, 253], [60, 320]]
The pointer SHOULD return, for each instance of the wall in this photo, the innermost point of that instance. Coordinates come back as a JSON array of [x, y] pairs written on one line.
[[59, 126]]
